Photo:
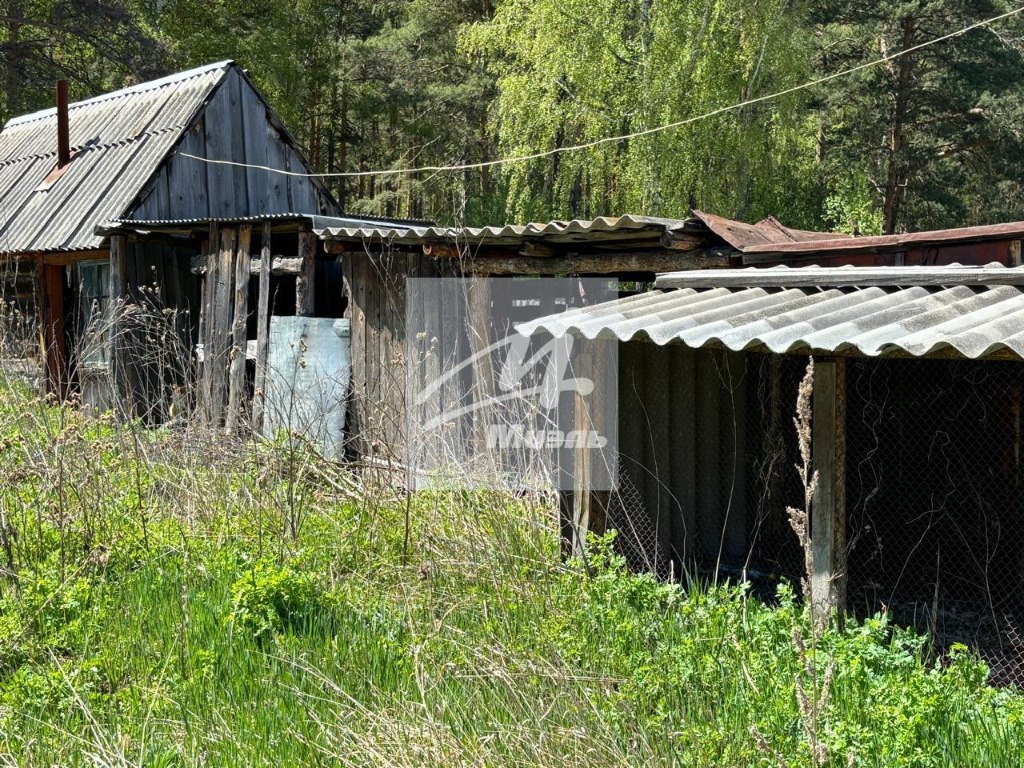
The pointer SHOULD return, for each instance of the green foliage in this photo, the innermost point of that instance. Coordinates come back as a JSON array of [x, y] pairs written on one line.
[[576, 72], [269, 598], [220, 639]]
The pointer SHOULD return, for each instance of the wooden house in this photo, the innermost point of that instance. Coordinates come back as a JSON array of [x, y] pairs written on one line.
[[176, 148]]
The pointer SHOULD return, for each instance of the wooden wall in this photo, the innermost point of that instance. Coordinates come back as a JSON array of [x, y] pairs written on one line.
[[375, 287], [237, 127]]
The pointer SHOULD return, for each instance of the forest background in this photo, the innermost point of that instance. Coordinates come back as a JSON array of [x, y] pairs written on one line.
[[932, 139]]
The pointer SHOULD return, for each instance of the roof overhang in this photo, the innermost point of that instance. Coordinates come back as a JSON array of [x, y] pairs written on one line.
[[957, 313]]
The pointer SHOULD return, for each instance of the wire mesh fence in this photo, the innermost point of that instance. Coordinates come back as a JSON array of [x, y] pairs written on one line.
[[934, 487]]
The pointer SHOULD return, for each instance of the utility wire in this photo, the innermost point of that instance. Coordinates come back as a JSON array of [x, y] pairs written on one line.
[[625, 136]]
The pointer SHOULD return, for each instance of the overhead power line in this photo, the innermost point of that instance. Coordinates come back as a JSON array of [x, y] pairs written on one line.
[[625, 136]]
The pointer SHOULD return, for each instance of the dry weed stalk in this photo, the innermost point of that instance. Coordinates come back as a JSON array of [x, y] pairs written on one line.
[[813, 690]]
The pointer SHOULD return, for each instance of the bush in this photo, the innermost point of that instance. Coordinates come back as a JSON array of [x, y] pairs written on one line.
[[272, 598]]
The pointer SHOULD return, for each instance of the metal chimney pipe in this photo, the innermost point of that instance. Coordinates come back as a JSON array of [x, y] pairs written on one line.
[[63, 138]]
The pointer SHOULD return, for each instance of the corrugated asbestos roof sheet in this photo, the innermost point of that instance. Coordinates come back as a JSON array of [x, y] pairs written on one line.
[[871, 321], [119, 140], [577, 230]]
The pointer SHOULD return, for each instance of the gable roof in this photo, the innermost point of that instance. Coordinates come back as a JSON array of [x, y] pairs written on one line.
[[118, 139]]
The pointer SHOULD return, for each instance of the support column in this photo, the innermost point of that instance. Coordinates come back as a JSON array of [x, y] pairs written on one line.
[[239, 329], [120, 381], [828, 508], [581, 469], [305, 288], [262, 330]]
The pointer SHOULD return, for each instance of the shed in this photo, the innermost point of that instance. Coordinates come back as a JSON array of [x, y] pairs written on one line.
[[131, 154], [918, 375]]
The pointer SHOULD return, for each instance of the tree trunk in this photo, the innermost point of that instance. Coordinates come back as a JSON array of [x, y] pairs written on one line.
[[902, 85]]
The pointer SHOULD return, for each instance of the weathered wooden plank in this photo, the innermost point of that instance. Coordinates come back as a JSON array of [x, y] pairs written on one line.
[[278, 200], [279, 265], [828, 508], [226, 183], [679, 241], [237, 389], [414, 346], [305, 283], [302, 193], [361, 275], [392, 387], [582, 478], [187, 177], [262, 329], [255, 139], [838, 277], [218, 308], [599, 264], [206, 289], [120, 383]]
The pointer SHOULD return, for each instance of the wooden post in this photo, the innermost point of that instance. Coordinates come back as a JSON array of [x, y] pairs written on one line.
[[207, 285], [120, 385], [828, 508], [581, 476], [262, 330], [305, 287], [217, 306], [479, 333], [239, 328]]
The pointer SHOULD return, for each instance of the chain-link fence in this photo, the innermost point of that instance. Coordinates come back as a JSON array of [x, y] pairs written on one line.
[[934, 485]]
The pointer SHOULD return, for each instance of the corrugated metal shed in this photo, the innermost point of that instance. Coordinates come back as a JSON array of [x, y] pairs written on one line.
[[119, 139], [577, 230], [873, 321]]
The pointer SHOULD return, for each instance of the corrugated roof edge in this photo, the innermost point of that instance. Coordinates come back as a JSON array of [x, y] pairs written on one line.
[[420, 230], [115, 226], [870, 322], [845, 276], [149, 85]]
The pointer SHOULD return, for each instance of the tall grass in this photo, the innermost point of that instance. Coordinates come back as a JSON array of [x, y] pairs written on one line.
[[172, 598]]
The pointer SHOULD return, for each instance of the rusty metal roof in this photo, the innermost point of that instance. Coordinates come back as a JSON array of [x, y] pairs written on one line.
[[575, 231], [767, 232], [118, 140], [872, 321]]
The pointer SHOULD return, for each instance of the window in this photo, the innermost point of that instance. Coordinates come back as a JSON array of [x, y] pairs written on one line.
[[93, 303]]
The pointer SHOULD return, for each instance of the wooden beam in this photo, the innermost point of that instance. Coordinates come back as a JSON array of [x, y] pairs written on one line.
[[239, 329], [828, 508], [582, 483], [262, 330], [279, 265], [217, 306], [305, 284], [445, 250], [206, 287], [655, 260], [540, 250], [677, 241], [120, 381]]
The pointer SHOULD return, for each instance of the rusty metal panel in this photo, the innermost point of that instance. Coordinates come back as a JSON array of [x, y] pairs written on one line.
[[308, 371]]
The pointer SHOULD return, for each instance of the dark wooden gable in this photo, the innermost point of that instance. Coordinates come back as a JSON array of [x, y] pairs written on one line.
[[235, 125]]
